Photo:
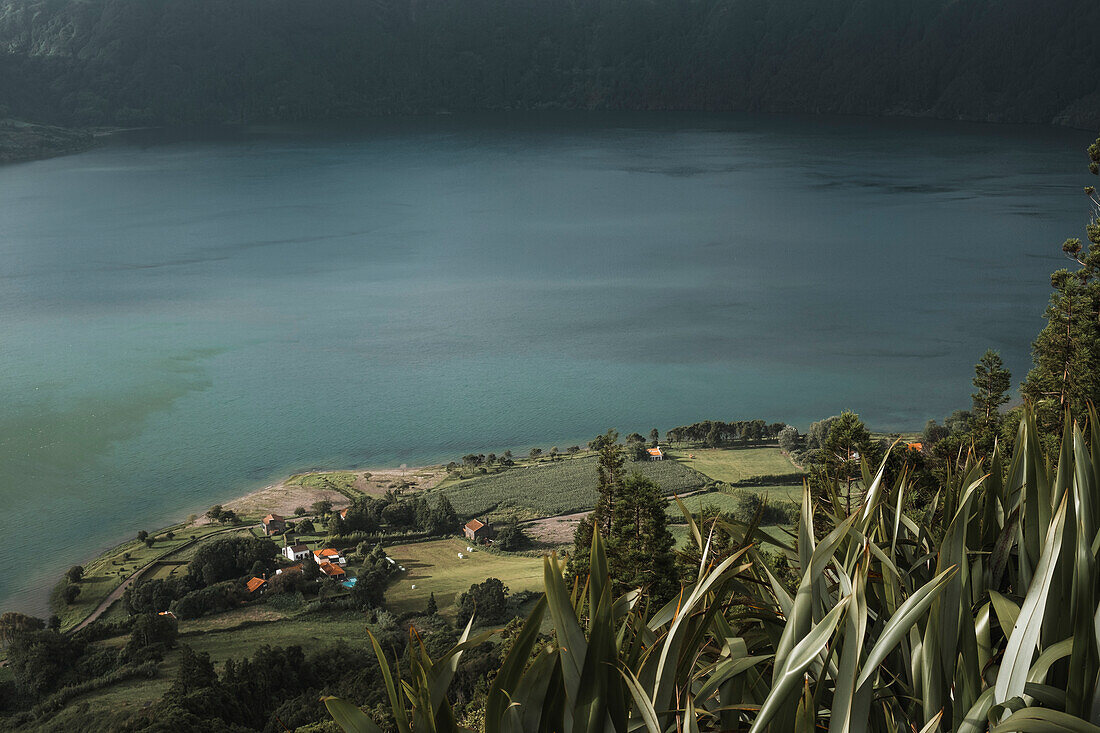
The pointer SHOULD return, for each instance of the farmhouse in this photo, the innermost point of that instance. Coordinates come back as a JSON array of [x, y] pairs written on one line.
[[328, 555], [655, 454], [274, 524], [477, 530], [292, 569], [294, 553]]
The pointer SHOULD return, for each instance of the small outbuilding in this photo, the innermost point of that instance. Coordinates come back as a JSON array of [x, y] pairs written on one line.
[[477, 530], [255, 584]]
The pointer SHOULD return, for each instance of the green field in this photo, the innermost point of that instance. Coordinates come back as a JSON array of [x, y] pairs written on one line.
[[105, 573], [342, 481], [434, 567], [549, 488], [734, 465]]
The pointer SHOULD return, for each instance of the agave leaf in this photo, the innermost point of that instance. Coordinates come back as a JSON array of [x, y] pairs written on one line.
[[1085, 661], [1043, 720], [902, 621], [511, 670], [349, 717], [932, 724], [1007, 611], [573, 646], [641, 702], [976, 720], [786, 678], [1025, 633], [397, 705], [848, 707]]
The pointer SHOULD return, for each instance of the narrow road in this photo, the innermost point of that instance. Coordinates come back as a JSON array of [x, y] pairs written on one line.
[[136, 575]]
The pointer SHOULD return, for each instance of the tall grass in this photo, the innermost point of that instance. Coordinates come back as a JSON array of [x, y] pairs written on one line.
[[982, 615]]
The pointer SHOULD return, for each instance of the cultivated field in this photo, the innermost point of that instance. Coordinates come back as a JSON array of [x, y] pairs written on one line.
[[434, 567], [733, 465], [549, 488]]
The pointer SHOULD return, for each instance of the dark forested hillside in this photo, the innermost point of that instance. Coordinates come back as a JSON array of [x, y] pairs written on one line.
[[186, 61]]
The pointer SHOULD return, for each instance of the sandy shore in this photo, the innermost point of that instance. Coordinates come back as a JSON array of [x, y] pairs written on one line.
[[300, 491]]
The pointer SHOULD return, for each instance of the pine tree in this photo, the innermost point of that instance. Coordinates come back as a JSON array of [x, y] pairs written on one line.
[[1067, 351], [609, 486], [639, 549], [432, 608], [992, 382], [846, 446]]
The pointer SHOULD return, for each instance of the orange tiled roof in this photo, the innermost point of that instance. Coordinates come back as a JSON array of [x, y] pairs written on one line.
[[273, 518], [327, 552], [330, 569], [255, 584], [915, 446], [654, 451], [474, 525]]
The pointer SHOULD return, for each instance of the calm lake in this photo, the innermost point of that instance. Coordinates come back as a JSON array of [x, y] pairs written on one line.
[[188, 316]]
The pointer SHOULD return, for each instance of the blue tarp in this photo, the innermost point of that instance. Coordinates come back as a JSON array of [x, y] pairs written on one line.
[[349, 583]]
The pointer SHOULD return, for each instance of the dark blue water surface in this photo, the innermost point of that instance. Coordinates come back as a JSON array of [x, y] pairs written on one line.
[[185, 316]]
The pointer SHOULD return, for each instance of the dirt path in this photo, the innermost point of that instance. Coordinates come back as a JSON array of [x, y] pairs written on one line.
[[117, 593]]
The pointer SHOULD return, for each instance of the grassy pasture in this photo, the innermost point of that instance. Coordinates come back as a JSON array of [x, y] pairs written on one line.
[[342, 481], [549, 488], [732, 465], [109, 570], [434, 567]]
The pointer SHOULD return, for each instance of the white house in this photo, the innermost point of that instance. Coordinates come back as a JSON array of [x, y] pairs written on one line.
[[329, 555], [294, 553]]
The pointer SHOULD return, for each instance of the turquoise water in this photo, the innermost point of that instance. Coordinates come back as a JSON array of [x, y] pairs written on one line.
[[188, 316]]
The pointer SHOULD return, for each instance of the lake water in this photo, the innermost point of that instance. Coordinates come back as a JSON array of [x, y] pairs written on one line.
[[188, 316]]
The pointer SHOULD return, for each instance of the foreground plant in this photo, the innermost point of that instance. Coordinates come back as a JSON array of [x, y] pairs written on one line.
[[982, 616]]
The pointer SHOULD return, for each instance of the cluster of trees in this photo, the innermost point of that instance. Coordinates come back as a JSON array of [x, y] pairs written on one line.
[[715, 433], [212, 582], [103, 62], [369, 515], [218, 513], [630, 516], [44, 661]]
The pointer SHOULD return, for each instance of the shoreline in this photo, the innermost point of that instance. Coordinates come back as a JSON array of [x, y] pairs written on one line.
[[280, 497]]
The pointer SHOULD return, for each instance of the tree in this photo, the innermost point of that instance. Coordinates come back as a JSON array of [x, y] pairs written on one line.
[[847, 444], [432, 608], [152, 629], [788, 438], [214, 513], [992, 382], [511, 536], [1066, 353], [324, 506], [75, 574], [487, 600], [639, 547], [654, 437], [609, 483], [534, 453], [70, 593], [300, 511], [142, 535], [13, 622], [41, 660]]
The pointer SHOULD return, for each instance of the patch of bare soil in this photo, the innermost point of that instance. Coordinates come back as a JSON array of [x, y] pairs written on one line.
[[377, 481], [283, 499], [553, 531]]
